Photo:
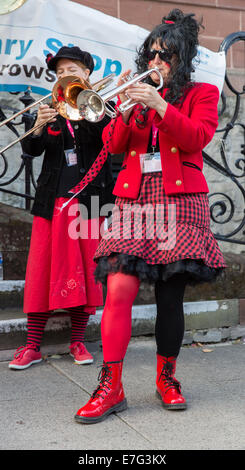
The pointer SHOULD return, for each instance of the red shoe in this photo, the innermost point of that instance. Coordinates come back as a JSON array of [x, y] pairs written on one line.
[[80, 353], [25, 356], [107, 398], [168, 388]]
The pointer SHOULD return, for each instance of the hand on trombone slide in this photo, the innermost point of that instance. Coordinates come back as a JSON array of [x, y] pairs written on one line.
[[45, 114]]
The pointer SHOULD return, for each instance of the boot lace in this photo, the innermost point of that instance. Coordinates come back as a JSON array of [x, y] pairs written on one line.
[[168, 380], [105, 376]]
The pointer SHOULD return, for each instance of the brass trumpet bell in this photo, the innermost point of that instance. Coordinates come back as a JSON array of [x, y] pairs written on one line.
[[93, 106]]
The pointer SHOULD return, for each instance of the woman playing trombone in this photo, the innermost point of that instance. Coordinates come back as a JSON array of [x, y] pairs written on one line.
[[60, 268], [161, 175]]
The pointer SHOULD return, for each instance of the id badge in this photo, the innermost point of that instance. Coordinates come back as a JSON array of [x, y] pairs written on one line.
[[71, 157], [150, 162]]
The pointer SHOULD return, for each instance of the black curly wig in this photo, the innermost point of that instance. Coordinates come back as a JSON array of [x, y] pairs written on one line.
[[179, 33]]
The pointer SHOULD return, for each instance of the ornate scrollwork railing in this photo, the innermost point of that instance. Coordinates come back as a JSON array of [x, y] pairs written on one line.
[[26, 164], [222, 205], [223, 209]]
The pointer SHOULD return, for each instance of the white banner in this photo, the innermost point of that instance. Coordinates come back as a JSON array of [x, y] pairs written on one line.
[[40, 27]]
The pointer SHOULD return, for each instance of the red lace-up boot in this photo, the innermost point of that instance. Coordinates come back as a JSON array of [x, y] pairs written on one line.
[[107, 398], [168, 388]]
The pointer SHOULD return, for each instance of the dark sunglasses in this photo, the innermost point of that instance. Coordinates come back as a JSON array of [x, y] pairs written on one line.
[[164, 54]]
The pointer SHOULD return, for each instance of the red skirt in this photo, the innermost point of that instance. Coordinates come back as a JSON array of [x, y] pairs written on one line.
[[60, 267], [156, 230]]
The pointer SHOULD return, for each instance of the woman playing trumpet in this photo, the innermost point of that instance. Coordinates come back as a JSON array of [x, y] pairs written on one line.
[[60, 269], [162, 172]]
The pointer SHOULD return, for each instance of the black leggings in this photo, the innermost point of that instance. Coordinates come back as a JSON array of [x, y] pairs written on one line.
[[170, 324]]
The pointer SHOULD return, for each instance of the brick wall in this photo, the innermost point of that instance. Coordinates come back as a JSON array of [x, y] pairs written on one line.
[[220, 18]]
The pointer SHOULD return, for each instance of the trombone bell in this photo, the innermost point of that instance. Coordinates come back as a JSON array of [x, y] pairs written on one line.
[[65, 94]]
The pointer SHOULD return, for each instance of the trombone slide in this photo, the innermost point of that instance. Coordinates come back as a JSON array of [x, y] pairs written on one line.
[[64, 100]]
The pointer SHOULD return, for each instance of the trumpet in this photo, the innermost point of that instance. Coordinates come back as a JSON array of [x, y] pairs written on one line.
[[64, 96], [92, 106]]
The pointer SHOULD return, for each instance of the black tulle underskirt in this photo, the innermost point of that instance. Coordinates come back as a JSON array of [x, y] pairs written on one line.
[[196, 271]]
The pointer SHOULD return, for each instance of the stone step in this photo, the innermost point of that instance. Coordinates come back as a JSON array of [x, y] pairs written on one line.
[[11, 294], [205, 322]]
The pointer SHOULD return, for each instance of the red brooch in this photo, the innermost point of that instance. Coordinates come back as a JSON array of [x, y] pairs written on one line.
[[52, 131]]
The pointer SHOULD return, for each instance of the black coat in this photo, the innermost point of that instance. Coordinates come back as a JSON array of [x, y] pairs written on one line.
[[88, 138]]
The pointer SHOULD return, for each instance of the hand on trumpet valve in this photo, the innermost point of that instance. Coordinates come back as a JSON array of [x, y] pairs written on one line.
[[146, 94], [123, 78], [45, 113]]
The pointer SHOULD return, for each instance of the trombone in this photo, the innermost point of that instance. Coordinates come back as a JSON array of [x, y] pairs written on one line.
[[76, 99], [64, 96]]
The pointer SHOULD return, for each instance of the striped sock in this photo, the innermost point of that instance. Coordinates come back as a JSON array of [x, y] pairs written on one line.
[[79, 321], [35, 327]]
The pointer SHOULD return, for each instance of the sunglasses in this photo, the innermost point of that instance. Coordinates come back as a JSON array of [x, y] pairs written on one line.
[[164, 55]]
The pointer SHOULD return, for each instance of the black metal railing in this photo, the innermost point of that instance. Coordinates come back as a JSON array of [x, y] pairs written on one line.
[[26, 162], [222, 210]]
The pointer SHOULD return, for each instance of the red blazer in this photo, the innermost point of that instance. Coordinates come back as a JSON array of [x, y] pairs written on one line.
[[183, 133]]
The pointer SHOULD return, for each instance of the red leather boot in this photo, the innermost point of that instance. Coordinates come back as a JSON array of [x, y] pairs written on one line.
[[107, 398], [168, 388]]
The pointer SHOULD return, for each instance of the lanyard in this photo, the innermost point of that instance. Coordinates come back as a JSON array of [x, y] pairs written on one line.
[[70, 128], [154, 136]]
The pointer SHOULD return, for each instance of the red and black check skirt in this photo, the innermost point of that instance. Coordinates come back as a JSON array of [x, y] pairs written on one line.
[[156, 236]]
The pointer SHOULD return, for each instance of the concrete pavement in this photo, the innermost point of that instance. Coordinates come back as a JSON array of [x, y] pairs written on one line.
[[39, 403]]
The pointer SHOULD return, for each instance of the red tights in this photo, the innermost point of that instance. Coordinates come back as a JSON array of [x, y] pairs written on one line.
[[116, 319]]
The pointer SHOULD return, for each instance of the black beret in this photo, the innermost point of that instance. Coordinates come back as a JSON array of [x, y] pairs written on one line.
[[72, 53]]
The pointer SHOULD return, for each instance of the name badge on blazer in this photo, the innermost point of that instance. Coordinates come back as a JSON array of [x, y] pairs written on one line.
[[71, 157], [150, 162]]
